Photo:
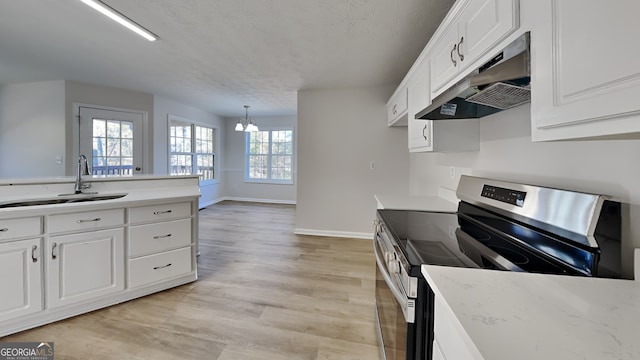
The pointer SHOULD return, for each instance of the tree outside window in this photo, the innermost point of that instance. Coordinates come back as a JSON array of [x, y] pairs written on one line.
[[192, 149], [269, 156]]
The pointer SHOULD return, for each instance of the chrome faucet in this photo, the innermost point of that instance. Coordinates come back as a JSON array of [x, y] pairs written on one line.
[[83, 169]]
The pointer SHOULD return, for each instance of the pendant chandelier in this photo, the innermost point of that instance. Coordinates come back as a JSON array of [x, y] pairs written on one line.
[[246, 124]]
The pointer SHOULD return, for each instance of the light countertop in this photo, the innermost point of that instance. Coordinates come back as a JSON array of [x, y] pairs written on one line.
[[139, 190], [507, 315], [418, 203]]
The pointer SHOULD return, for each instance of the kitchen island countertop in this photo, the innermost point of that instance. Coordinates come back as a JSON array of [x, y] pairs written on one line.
[[507, 315]]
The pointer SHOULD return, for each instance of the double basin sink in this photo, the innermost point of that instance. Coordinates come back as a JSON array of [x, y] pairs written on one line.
[[61, 199]]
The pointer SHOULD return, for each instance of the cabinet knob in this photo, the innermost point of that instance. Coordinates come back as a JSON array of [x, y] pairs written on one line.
[[460, 56], [4, 229], [34, 254], [54, 253], [455, 47], [423, 130]]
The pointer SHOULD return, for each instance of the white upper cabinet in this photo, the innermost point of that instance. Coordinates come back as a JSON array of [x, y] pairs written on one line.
[[430, 135], [470, 30], [397, 107], [419, 131], [585, 68]]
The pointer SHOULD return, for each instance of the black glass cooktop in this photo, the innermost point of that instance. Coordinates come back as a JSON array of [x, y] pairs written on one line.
[[481, 239]]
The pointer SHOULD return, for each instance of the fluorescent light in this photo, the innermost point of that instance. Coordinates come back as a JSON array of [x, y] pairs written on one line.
[[120, 19]]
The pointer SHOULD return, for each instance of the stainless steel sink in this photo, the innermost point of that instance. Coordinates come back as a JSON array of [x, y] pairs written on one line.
[[61, 199]]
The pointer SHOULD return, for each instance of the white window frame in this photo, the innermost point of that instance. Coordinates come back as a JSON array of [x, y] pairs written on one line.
[[293, 153], [174, 120]]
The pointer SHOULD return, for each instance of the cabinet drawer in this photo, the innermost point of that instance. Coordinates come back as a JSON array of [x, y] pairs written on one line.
[[17, 228], [159, 212], [159, 267], [151, 238], [85, 220]]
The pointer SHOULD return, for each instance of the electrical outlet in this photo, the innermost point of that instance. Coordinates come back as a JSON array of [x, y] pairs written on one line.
[[372, 165], [452, 172], [59, 159]]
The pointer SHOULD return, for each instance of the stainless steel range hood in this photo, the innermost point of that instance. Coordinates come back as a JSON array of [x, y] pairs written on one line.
[[499, 84]]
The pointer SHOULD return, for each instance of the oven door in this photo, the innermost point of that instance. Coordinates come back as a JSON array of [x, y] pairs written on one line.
[[395, 311]]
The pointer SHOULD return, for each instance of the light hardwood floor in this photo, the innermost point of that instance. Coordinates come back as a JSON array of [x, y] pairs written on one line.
[[263, 293]]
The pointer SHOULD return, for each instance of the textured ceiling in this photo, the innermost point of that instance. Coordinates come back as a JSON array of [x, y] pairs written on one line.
[[219, 54]]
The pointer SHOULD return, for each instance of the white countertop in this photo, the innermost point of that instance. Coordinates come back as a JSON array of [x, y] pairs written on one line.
[[507, 315], [419, 203], [139, 190]]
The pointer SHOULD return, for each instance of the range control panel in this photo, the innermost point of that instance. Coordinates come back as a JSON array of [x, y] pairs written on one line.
[[513, 197]]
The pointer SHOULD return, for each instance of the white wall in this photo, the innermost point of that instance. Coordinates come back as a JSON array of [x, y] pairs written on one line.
[[506, 152], [233, 172], [164, 107], [340, 131], [32, 129]]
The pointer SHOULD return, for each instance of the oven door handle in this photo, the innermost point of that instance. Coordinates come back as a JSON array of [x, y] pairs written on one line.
[[407, 305]]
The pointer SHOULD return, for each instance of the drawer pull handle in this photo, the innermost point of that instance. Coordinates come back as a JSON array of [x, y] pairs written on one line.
[[88, 220], [162, 267], [34, 255], [54, 253], [4, 229], [162, 236], [161, 212]]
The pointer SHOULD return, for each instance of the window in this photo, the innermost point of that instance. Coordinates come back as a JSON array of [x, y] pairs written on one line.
[[192, 149], [112, 147], [269, 156]]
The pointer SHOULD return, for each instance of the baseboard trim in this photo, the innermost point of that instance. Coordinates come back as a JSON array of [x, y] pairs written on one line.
[[329, 233], [266, 201]]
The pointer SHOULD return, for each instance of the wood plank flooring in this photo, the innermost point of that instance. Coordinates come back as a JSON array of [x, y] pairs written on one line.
[[263, 293]]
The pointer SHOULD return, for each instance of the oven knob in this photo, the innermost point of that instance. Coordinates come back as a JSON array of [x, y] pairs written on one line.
[[394, 267]]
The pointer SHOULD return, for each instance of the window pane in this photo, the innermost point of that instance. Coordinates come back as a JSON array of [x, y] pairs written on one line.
[[127, 130], [269, 155], [127, 147], [191, 150], [111, 154]]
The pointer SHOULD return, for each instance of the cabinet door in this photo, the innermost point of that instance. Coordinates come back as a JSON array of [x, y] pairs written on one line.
[[585, 67], [444, 60], [84, 266], [482, 25], [419, 97], [397, 108], [479, 26], [21, 282]]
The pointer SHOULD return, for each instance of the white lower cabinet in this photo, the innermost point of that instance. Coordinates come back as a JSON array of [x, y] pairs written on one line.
[[160, 243], [153, 268], [152, 238], [450, 342], [84, 266], [21, 292], [63, 260], [437, 353], [61, 263]]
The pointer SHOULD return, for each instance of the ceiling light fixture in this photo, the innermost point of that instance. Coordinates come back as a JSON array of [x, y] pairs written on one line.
[[120, 19], [246, 124]]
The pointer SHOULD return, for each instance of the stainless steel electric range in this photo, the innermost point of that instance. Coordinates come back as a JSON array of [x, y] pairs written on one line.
[[499, 225]]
